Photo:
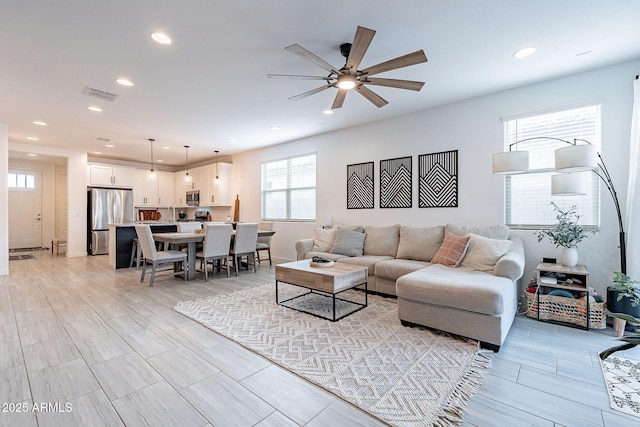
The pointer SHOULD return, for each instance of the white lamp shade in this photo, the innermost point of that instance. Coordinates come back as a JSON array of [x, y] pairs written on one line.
[[511, 162], [576, 158], [569, 184]]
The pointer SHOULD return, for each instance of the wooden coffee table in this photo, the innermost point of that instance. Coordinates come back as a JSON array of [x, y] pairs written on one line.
[[322, 282]]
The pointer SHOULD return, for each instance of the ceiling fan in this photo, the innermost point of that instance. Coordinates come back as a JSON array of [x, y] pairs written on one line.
[[349, 77]]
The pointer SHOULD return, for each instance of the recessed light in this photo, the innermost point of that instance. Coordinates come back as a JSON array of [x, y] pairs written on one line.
[[124, 82], [32, 155], [233, 140], [39, 123], [524, 52], [32, 138], [94, 108], [328, 112], [161, 38], [109, 146], [166, 147], [160, 161], [97, 152], [275, 127]]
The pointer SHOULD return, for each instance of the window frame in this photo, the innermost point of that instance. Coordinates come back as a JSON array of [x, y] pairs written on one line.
[[290, 177]]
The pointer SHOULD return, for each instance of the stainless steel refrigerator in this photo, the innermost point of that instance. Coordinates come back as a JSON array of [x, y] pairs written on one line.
[[106, 206]]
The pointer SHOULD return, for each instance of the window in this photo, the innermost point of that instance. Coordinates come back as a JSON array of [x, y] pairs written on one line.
[[289, 189], [22, 180], [528, 196]]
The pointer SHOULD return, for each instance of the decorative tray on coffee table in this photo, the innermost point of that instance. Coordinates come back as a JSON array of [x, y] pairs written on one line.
[[317, 261]]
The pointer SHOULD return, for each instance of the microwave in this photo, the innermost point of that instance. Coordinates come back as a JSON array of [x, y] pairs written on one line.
[[193, 198]]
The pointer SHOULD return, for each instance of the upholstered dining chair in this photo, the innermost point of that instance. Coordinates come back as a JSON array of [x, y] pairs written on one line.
[[155, 257], [264, 242], [188, 227], [217, 239], [244, 245]]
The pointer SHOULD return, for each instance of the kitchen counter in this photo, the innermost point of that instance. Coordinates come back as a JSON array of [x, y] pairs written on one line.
[[121, 240]]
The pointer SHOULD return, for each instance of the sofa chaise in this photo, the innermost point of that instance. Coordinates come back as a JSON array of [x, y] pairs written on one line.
[[461, 280]]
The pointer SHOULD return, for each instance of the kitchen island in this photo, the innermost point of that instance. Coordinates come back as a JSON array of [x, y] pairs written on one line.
[[121, 240]]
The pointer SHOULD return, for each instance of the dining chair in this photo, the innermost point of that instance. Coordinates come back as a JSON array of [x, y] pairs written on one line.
[[217, 239], [244, 244], [188, 227], [155, 257], [264, 242]]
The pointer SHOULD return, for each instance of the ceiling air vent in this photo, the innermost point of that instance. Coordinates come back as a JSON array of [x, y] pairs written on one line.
[[97, 93], [102, 139]]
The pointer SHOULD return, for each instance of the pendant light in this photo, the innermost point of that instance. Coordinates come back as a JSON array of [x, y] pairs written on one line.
[[151, 140], [187, 177], [217, 180]]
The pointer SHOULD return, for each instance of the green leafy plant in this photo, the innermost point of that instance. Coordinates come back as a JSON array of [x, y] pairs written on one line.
[[567, 233], [630, 340], [626, 287]]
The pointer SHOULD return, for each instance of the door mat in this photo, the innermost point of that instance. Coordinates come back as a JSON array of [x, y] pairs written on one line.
[[20, 257]]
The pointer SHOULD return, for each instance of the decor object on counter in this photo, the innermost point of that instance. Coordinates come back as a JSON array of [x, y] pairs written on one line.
[[576, 158], [438, 180], [395, 183], [566, 234], [622, 378], [360, 186], [403, 376], [236, 209]]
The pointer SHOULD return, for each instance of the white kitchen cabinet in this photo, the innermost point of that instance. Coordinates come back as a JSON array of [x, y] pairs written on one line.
[[218, 192], [104, 175], [153, 189], [181, 187]]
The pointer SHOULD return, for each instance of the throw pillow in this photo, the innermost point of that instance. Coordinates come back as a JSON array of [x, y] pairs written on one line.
[[323, 239], [349, 243], [492, 232], [382, 241], [357, 228], [420, 244], [452, 250], [484, 253]]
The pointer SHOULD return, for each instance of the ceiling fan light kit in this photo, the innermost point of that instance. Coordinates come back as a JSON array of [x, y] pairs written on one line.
[[349, 77]]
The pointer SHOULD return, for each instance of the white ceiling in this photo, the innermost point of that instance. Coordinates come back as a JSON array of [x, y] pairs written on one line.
[[211, 87]]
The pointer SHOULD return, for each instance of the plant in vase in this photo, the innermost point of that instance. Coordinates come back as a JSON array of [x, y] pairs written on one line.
[[624, 296], [567, 233]]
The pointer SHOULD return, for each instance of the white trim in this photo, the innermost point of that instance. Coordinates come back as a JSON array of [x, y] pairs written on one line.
[[600, 100]]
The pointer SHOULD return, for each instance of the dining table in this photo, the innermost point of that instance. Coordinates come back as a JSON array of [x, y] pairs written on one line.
[[191, 239]]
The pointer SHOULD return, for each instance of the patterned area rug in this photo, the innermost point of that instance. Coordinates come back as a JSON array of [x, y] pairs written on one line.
[[403, 376], [622, 377]]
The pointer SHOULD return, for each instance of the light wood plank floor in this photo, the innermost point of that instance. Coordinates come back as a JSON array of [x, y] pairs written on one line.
[[90, 346]]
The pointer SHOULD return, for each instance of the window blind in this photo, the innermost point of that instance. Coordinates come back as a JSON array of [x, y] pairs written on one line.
[[528, 196], [289, 189]]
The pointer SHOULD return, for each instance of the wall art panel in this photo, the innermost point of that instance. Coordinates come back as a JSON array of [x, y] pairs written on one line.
[[438, 180], [360, 186], [395, 183]]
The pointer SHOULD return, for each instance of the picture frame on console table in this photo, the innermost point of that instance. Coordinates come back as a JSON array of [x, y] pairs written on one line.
[[395, 183], [360, 180], [438, 180]]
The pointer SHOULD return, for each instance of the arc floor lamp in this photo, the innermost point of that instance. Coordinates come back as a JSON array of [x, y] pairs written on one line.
[[568, 160]]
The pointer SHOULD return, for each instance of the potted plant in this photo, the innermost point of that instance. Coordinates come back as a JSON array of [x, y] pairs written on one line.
[[567, 233], [624, 296]]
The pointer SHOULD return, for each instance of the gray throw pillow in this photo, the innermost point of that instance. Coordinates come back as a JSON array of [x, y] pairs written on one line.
[[349, 243]]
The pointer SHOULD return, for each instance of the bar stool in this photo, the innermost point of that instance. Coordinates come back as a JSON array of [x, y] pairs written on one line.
[[136, 254]]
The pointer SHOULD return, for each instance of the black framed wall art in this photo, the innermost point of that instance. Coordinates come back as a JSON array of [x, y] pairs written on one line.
[[438, 180], [395, 183], [360, 186]]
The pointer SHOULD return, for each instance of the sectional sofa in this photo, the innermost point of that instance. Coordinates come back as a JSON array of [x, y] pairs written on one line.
[[458, 279]]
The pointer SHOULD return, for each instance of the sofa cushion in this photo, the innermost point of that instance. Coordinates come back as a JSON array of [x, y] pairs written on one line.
[[394, 268], [452, 250], [368, 261], [463, 289], [483, 253], [420, 244], [492, 232], [382, 240], [323, 239], [348, 242]]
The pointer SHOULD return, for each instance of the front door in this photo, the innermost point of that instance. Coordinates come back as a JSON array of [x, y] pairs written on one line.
[[25, 209]]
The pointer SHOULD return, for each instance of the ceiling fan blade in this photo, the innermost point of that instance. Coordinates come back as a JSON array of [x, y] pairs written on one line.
[[377, 100], [337, 103], [361, 43], [399, 84], [292, 76], [310, 56], [311, 92], [414, 58]]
